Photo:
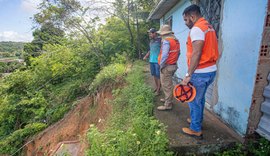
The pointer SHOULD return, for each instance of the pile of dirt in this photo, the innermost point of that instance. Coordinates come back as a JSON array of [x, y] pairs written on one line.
[[73, 127]]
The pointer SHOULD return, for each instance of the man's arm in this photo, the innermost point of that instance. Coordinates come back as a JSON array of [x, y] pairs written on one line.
[[146, 56], [195, 59], [196, 56], [165, 53]]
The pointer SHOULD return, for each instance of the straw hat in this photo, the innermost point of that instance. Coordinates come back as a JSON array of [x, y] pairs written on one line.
[[165, 29]]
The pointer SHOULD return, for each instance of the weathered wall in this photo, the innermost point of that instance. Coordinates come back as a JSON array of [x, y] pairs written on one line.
[[241, 30]]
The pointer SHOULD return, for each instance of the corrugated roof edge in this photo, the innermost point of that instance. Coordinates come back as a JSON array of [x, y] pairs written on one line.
[[158, 7]]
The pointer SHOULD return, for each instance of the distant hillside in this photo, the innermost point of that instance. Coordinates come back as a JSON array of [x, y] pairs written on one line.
[[11, 46]]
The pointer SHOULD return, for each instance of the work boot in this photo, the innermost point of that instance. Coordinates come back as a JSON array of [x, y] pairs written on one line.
[[189, 122], [192, 133]]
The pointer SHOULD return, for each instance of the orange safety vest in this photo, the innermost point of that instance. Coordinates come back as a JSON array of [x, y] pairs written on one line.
[[210, 52], [173, 53]]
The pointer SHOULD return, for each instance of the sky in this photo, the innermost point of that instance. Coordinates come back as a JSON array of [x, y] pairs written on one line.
[[15, 22], [15, 15]]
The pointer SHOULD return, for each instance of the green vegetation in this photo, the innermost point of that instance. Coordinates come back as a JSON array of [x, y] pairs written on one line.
[[110, 74], [66, 54], [132, 129], [260, 147], [9, 52], [63, 64], [11, 47], [47, 34], [43, 92], [8, 67], [18, 136]]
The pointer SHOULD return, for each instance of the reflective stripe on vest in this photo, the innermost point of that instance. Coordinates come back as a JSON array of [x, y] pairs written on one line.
[[210, 49], [173, 53]]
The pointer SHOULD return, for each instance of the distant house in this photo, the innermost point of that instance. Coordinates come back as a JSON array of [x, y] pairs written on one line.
[[240, 95]]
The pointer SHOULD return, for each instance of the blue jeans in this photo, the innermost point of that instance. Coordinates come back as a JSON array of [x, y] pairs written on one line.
[[200, 81]]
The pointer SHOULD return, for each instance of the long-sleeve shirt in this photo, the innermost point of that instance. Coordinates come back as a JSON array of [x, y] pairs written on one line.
[[165, 53]]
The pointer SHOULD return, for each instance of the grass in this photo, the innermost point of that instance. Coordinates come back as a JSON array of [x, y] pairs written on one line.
[[132, 129], [260, 147]]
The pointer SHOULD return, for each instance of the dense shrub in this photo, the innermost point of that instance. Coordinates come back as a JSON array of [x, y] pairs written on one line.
[[43, 92], [109, 74], [16, 138]]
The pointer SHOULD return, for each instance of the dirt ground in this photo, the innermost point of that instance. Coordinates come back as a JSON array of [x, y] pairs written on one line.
[[73, 127]]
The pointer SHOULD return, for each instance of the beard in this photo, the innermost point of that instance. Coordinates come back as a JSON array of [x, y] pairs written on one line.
[[190, 25]]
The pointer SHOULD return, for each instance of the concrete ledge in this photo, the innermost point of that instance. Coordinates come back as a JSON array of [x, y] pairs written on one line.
[[216, 135]]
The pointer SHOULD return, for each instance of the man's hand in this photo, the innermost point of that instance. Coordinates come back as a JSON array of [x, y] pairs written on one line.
[[146, 55], [186, 80], [144, 58]]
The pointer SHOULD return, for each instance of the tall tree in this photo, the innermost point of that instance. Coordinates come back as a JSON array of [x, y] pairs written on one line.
[[46, 34], [68, 15], [134, 14], [71, 17]]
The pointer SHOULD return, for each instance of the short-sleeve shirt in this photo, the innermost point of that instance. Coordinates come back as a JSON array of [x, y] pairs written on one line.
[[196, 34], [154, 49]]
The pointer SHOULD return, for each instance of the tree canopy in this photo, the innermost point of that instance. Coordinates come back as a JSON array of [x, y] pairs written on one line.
[[11, 46], [70, 46]]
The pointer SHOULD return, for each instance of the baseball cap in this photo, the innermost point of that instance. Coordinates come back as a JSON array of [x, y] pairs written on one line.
[[152, 30]]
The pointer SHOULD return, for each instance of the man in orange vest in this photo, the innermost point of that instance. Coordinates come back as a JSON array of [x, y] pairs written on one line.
[[167, 59], [202, 55]]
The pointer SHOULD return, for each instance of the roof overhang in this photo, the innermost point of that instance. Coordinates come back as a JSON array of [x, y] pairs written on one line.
[[162, 8]]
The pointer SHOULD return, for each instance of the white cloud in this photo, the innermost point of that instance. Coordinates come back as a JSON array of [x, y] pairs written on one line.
[[15, 36], [30, 5]]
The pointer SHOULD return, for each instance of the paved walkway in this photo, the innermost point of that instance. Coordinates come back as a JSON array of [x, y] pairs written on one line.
[[216, 135]]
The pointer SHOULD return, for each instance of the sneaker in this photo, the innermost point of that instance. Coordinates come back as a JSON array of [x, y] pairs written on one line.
[[157, 93], [162, 100], [163, 108], [192, 133]]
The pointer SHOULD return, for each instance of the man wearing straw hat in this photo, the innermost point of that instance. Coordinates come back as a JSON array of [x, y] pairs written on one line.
[[167, 59]]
